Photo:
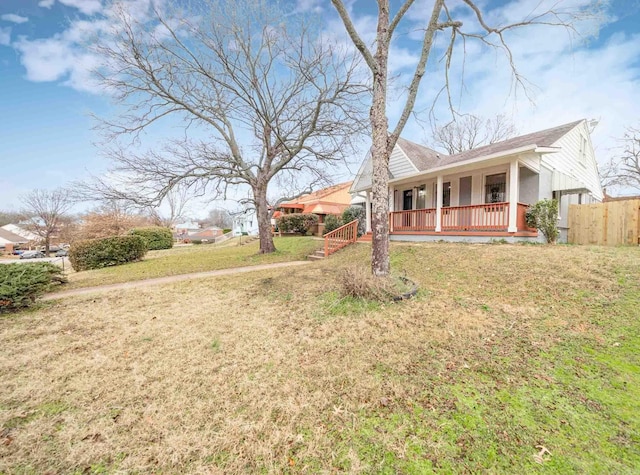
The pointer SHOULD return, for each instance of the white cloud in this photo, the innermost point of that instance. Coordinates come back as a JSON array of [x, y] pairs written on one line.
[[12, 17], [87, 7], [46, 3], [5, 36]]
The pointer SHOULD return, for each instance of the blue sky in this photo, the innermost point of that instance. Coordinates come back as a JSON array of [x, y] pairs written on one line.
[[47, 96]]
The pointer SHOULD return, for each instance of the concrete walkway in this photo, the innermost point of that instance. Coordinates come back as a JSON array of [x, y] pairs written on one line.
[[169, 279]]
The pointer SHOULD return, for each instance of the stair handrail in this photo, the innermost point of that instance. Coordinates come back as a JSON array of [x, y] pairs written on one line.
[[340, 237]]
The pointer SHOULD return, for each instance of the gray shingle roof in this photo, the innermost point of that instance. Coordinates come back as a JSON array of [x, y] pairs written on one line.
[[12, 237], [424, 158]]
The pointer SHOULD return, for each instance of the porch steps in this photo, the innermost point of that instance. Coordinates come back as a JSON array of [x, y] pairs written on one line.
[[367, 237], [317, 255]]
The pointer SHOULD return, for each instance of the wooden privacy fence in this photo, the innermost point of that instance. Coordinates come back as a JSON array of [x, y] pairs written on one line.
[[613, 223]]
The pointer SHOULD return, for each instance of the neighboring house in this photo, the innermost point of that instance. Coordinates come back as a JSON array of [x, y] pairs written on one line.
[[332, 200], [20, 231], [184, 230], [245, 222], [10, 241], [208, 234], [483, 193]]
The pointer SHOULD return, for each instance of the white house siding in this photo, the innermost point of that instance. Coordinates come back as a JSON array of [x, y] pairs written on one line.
[[399, 164], [363, 178], [528, 186], [568, 159]]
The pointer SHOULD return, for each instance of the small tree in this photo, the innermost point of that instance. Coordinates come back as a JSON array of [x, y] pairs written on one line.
[[544, 216], [470, 131], [44, 211]]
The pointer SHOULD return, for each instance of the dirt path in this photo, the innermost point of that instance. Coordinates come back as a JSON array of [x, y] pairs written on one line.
[[169, 279]]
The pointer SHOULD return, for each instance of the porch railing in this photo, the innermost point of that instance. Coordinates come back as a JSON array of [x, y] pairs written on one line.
[[341, 237], [484, 217], [414, 220]]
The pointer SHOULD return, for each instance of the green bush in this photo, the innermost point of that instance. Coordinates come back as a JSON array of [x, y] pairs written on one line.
[[544, 216], [297, 222], [356, 212], [226, 230], [156, 237], [106, 252], [21, 284], [331, 222]]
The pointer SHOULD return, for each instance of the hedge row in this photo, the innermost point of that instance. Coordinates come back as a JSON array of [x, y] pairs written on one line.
[[155, 236], [21, 284], [111, 251], [297, 222]]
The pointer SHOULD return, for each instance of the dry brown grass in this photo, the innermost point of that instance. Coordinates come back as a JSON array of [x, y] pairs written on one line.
[[263, 372]]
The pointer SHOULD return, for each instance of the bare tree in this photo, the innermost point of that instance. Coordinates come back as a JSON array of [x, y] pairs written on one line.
[[172, 208], [44, 212], [262, 96], [445, 18], [218, 217], [623, 170], [470, 131]]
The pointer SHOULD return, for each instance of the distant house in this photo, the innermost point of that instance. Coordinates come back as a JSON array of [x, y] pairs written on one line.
[[332, 200], [245, 223], [20, 231], [9, 241], [183, 230], [483, 193], [208, 234]]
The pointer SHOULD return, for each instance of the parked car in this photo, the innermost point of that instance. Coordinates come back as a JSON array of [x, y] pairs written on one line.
[[32, 255], [62, 253], [18, 252]]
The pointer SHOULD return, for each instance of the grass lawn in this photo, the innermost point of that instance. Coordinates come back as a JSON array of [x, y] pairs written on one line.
[[197, 258], [506, 350]]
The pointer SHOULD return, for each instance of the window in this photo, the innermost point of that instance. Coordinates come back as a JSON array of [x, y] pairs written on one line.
[[495, 188], [421, 203], [582, 158], [446, 194]]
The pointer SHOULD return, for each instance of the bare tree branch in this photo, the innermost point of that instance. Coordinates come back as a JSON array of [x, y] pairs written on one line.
[[265, 94]]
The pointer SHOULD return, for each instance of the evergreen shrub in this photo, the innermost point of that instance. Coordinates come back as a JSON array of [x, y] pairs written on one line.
[[356, 212], [331, 222], [106, 252], [21, 284], [156, 237], [297, 222]]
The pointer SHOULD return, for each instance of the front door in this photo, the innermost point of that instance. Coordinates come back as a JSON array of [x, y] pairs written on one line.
[[407, 200]]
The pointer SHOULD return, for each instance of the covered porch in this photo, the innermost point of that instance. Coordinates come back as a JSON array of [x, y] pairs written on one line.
[[488, 202]]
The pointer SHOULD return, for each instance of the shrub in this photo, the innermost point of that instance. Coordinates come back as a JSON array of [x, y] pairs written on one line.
[[359, 282], [111, 251], [331, 222], [21, 284], [297, 222], [156, 237], [356, 212], [544, 216], [226, 230], [196, 241]]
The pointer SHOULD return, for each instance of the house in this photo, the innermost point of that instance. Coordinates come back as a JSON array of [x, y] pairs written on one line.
[[184, 230], [483, 193], [245, 222], [208, 234], [9, 241], [332, 200], [20, 231]]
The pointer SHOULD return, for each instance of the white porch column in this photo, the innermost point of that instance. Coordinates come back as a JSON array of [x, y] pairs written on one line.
[[392, 196], [513, 196], [368, 211], [439, 204]]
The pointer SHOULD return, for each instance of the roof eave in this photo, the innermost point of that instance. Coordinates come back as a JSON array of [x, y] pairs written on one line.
[[508, 153]]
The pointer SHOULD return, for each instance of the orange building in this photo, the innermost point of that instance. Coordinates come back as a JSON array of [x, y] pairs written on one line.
[[332, 200]]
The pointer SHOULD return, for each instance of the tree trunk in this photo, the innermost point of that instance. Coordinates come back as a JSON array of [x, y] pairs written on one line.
[[264, 223], [47, 245], [380, 154]]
